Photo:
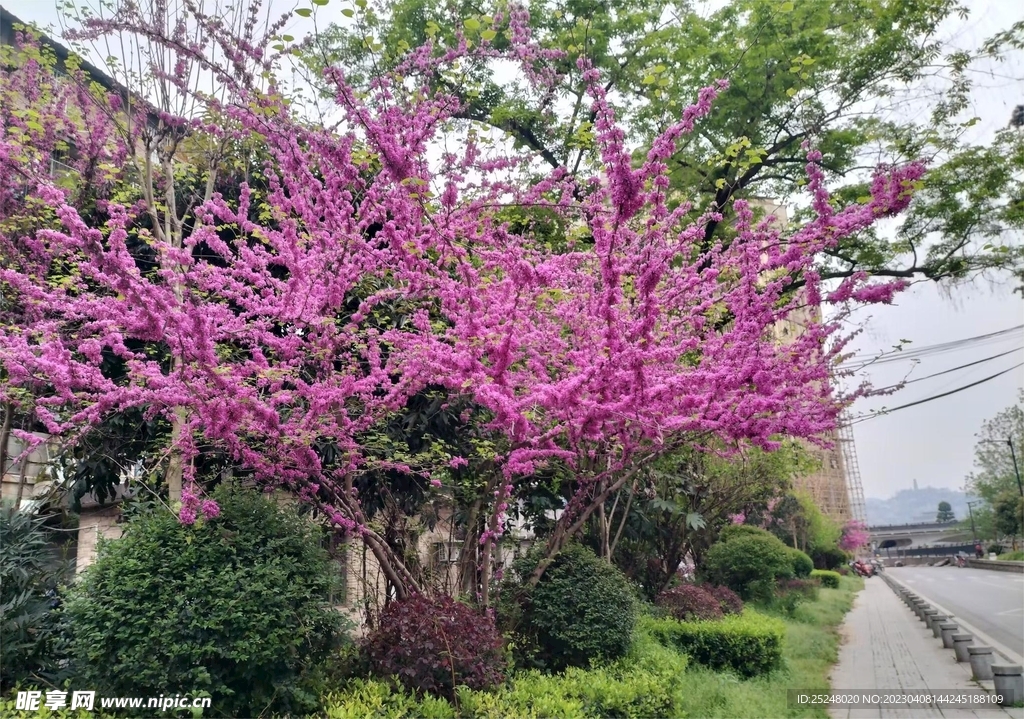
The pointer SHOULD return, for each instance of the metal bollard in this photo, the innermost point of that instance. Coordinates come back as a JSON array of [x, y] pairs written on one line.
[[981, 662], [1009, 683], [948, 629], [961, 643]]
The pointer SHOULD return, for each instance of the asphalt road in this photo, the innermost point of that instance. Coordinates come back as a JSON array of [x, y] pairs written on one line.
[[993, 602]]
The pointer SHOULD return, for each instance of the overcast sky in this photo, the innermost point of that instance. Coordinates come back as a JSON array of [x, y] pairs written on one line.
[[933, 442]]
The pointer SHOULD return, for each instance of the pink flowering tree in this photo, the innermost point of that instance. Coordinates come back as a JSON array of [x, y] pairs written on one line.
[[855, 535], [353, 268]]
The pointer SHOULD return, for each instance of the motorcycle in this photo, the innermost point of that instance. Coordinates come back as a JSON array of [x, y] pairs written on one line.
[[862, 569]]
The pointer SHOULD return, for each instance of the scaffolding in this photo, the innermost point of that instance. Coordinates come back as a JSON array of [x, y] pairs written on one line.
[[853, 484]]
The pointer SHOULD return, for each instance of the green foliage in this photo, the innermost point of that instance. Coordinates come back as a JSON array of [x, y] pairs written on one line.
[[996, 549], [791, 593], [994, 473], [436, 644], [30, 573], [748, 565], [236, 607], [829, 558], [1008, 514], [796, 70], [9, 708], [826, 578], [802, 564], [945, 513], [749, 644], [735, 531], [1017, 556], [644, 683], [582, 610]]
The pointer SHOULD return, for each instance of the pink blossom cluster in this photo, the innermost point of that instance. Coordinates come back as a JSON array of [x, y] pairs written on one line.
[[855, 535], [619, 351]]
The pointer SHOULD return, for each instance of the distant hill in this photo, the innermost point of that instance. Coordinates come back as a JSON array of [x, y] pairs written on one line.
[[912, 506]]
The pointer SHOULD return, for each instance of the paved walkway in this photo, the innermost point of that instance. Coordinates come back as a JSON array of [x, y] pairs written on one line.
[[887, 649]]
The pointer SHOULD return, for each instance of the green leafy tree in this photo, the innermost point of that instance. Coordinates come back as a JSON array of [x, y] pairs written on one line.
[[945, 513], [994, 472], [797, 71], [1008, 515]]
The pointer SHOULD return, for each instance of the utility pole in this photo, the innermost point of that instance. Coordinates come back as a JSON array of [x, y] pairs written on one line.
[[970, 510], [1013, 456]]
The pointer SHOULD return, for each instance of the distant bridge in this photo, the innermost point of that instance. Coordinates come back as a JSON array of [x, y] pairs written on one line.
[[914, 535]]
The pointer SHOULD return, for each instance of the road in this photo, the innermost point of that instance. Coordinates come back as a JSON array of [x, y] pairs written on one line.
[[993, 602]]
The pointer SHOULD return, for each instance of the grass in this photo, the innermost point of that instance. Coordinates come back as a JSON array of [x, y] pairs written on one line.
[[810, 648], [1017, 556]]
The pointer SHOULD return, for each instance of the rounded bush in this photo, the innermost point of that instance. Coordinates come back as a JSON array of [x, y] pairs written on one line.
[[436, 644], [735, 531], [802, 564], [728, 600], [750, 566], [831, 558], [687, 602], [826, 578], [582, 609], [236, 606]]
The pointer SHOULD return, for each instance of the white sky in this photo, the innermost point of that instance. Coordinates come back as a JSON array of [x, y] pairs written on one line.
[[934, 442]]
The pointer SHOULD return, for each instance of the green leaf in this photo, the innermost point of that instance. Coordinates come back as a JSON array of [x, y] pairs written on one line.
[[288, 38], [786, 7], [791, 91], [321, 3], [303, 12], [348, 12], [649, 80], [489, 35], [472, 23]]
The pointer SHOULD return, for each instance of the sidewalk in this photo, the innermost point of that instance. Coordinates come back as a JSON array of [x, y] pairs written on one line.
[[886, 649]]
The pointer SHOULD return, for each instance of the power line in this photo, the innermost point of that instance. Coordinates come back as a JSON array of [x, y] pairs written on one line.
[[954, 369], [872, 415], [928, 350]]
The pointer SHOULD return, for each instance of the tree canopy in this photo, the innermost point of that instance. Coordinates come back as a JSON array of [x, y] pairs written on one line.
[[867, 81]]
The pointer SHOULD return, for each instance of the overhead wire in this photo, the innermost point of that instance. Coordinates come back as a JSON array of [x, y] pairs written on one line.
[[900, 355], [880, 413], [955, 369]]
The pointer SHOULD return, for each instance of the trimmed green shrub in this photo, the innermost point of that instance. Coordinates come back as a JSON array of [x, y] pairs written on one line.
[[748, 565], [236, 607], [582, 609], [435, 644], [790, 593], [802, 564], [689, 602], [827, 579], [996, 549], [735, 531], [29, 576], [831, 558], [647, 682], [749, 644], [728, 600], [843, 571]]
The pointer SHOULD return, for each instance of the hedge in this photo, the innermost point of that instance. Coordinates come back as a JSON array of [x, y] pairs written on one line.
[[749, 644], [827, 579]]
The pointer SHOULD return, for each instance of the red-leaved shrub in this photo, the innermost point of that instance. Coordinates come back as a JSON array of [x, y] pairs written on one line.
[[434, 644], [687, 602], [728, 600]]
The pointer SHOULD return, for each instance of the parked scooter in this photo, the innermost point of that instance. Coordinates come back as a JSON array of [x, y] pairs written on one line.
[[862, 569]]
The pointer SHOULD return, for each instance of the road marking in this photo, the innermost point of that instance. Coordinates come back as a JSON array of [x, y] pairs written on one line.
[[1018, 610]]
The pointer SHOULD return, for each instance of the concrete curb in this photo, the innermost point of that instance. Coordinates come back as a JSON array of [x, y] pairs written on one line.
[[996, 566], [982, 638]]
